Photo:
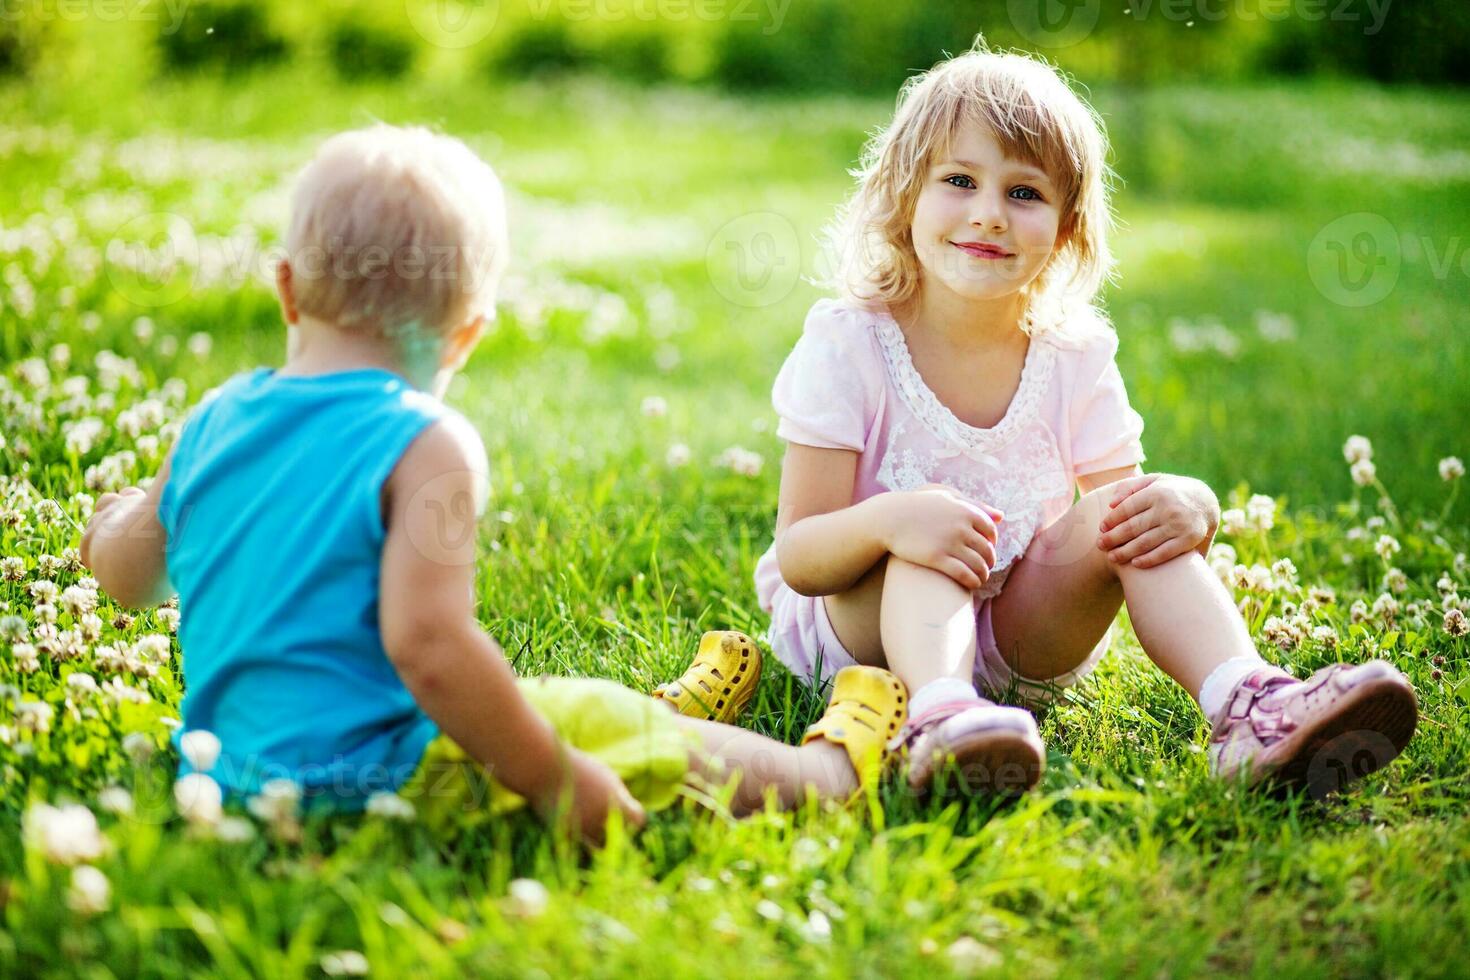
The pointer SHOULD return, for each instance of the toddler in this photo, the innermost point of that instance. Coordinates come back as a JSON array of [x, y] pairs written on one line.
[[318, 522], [939, 416]]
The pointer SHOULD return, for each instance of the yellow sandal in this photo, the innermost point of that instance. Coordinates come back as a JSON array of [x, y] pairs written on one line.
[[869, 706], [720, 682]]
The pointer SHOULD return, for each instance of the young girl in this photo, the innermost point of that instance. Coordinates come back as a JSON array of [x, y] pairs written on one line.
[[318, 522], [938, 417]]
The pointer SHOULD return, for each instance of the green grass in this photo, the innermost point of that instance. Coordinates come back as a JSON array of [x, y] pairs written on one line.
[[604, 561]]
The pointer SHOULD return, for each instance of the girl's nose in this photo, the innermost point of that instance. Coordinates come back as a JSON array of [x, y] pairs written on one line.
[[989, 214]]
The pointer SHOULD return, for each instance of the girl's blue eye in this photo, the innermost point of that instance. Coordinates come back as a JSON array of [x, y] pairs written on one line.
[[967, 185], [1034, 194]]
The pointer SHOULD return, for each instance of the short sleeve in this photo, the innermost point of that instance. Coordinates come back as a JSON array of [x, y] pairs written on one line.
[[827, 392], [1106, 431]]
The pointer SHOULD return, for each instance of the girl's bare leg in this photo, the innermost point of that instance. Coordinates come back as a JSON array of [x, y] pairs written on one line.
[[914, 621], [765, 764], [1061, 597]]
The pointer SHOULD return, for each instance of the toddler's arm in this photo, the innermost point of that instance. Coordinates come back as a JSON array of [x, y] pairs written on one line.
[[825, 543], [124, 544], [454, 670]]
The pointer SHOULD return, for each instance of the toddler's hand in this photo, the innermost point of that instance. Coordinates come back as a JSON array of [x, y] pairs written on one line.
[[940, 529], [596, 792], [107, 521], [1154, 518]]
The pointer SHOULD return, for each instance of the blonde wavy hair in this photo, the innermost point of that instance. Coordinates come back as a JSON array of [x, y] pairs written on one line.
[[1036, 118]]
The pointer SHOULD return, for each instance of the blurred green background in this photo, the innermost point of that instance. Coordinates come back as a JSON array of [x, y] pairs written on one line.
[[1294, 187], [1294, 183]]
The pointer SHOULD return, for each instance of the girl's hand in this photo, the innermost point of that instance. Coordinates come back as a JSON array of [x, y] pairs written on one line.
[[940, 529], [1154, 518]]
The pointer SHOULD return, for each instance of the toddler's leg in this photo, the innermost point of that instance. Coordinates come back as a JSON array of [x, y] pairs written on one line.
[[763, 763]]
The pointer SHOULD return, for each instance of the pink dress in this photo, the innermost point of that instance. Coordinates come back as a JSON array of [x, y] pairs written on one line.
[[850, 384]]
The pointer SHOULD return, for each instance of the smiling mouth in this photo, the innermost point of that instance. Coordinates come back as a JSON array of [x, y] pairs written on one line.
[[981, 251]]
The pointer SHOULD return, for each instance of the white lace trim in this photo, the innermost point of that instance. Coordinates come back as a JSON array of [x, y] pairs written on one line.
[[944, 424]]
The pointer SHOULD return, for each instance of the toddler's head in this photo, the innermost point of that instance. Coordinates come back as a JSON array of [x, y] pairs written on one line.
[[991, 180], [398, 234]]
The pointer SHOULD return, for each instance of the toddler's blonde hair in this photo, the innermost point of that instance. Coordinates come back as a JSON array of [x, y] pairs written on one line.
[[395, 228], [1036, 118]]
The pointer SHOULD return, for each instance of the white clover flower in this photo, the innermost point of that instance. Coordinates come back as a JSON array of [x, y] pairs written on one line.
[[1455, 623], [968, 956], [390, 806], [1445, 585], [66, 834], [1282, 633], [1358, 611], [116, 800], [143, 329], [1364, 472], [199, 798], [27, 658], [167, 618], [44, 590], [678, 455], [526, 898], [45, 612], [1386, 608], [89, 627], [1233, 521], [13, 629], [82, 682], [139, 746], [34, 716], [1324, 595], [1325, 636], [118, 692], [151, 648], [1260, 510], [1451, 468], [740, 461], [108, 658], [1357, 449], [1386, 546], [13, 568], [654, 407], [199, 345], [278, 802], [1258, 578], [234, 830], [78, 601], [200, 749], [90, 892], [47, 512], [1284, 571], [1224, 552], [344, 963], [1394, 580], [1224, 569]]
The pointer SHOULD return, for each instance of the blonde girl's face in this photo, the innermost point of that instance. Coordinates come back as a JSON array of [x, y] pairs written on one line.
[[984, 224]]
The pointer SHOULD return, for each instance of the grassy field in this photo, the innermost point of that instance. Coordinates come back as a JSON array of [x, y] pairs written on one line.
[[1253, 221]]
